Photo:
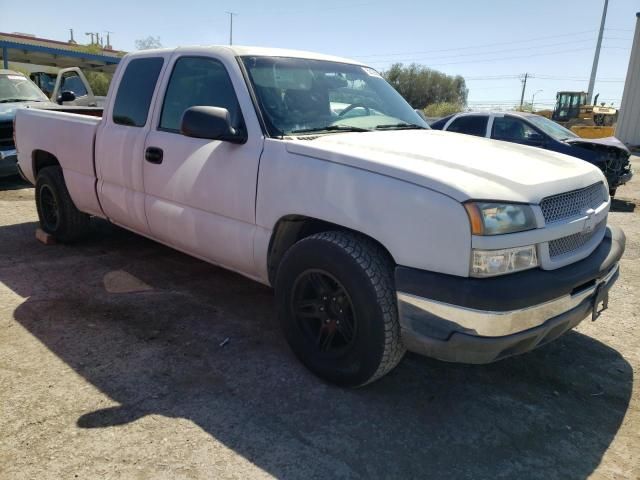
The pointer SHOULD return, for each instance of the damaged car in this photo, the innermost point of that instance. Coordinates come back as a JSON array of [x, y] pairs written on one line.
[[608, 154]]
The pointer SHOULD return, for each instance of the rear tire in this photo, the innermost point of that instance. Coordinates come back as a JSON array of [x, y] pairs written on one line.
[[337, 306], [57, 213]]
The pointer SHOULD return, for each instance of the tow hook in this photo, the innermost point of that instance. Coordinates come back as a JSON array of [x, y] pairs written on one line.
[[601, 296]]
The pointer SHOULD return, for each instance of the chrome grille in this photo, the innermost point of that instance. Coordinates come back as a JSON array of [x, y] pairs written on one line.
[[571, 204], [571, 243]]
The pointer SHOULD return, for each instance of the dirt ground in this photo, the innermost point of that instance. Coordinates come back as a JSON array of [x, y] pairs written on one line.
[[113, 365]]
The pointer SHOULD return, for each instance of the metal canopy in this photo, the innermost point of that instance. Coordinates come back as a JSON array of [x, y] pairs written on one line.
[[27, 50]]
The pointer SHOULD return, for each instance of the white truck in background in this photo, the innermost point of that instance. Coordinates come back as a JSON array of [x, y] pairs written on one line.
[[378, 234], [68, 87]]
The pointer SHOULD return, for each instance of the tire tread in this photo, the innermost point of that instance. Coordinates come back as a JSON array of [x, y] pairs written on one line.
[[377, 265]]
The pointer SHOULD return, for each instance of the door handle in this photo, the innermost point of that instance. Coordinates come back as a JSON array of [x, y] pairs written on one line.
[[153, 155]]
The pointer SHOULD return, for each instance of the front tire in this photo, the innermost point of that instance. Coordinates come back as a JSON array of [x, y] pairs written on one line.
[[337, 306], [57, 213]]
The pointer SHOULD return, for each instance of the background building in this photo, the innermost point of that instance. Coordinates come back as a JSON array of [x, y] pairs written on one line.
[[628, 129]]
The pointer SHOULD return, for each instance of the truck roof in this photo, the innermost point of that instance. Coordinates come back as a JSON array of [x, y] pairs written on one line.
[[238, 51]]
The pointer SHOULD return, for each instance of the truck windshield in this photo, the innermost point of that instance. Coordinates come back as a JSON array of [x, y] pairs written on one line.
[[301, 96], [551, 128], [18, 88]]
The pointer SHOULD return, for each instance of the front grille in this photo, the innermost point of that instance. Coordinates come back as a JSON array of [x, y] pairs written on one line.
[[571, 243], [571, 204], [6, 134]]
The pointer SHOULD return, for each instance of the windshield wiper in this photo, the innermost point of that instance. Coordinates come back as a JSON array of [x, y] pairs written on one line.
[[405, 126], [332, 128]]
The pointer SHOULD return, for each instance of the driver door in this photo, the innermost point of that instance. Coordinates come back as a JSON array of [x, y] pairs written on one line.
[[516, 130], [200, 193]]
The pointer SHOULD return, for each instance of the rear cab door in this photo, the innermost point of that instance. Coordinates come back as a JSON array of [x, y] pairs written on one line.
[[201, 193], [120, 140], [469, 124]]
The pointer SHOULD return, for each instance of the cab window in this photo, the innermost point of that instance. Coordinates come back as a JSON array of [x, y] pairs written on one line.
[[197, 81], [136, 90], [512, 129], [470, 124], [72, 82]]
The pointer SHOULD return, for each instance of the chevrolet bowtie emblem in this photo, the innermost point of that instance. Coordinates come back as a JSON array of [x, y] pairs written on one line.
[[590, 222]]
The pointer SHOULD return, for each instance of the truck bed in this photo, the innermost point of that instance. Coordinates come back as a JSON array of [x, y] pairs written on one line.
[[67, 133], [90, 111]]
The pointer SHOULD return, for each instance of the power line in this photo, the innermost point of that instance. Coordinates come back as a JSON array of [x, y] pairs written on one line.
[[507, 58], [494, 52], [543, 54], [475, 46]]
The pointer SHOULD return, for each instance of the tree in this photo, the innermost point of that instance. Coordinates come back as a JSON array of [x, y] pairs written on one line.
[[442, 109], [422, 86], [99, 82], [148, 43]]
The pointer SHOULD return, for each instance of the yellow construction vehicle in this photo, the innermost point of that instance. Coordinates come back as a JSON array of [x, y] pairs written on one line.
[[587, 121]]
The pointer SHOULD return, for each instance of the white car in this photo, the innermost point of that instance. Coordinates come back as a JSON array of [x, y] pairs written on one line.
[[378, 234]]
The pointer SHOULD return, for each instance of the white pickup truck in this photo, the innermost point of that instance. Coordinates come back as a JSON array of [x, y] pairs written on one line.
[[68, 87], [311, 174]]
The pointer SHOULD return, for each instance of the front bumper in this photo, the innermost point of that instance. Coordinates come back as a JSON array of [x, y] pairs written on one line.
[[625, 177], [482, 320], [8, 162]]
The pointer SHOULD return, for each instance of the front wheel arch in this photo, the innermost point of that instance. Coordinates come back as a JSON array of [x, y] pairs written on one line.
[[290, 229]]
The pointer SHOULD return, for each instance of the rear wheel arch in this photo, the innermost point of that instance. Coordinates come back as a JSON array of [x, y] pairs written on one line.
[[290, 229], [42, 159]]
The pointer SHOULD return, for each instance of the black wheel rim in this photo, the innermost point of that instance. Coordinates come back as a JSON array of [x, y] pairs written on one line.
[[324, 312], [49, 208]]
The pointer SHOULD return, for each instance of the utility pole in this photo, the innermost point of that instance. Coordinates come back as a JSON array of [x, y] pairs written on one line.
[[524, 87], [108, 45], [231, 14], [533, 99], [596, 57]]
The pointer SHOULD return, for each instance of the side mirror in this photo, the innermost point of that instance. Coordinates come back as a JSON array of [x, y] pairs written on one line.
[[213, 123], [66, 96]]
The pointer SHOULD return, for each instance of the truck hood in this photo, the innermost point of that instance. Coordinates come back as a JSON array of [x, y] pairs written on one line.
[[8, 110], [461, 166]]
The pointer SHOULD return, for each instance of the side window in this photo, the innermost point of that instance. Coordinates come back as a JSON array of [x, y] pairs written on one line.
[[197, 81], [135, 91], [73, 83], [470, 124], [512, 129]]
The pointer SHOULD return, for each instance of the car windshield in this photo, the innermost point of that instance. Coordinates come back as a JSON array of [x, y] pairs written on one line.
[[301, 96], [551, 128], [18, 88]]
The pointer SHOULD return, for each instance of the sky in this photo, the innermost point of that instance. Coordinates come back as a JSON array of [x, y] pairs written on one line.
[[491, 43]]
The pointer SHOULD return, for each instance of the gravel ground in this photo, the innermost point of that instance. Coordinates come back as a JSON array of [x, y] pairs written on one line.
[[113, 364]]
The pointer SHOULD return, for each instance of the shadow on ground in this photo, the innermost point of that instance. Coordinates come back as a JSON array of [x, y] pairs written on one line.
[[12, 183], [622, 205], [549, 414]]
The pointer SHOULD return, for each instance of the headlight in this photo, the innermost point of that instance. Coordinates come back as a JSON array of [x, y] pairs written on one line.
[[487, 263], [496, 218]]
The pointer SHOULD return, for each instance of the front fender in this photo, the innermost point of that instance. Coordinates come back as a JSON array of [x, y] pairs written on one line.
[[420, 228]]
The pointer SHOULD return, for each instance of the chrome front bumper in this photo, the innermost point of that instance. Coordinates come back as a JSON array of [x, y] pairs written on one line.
[[498, 324], [471, 320]]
